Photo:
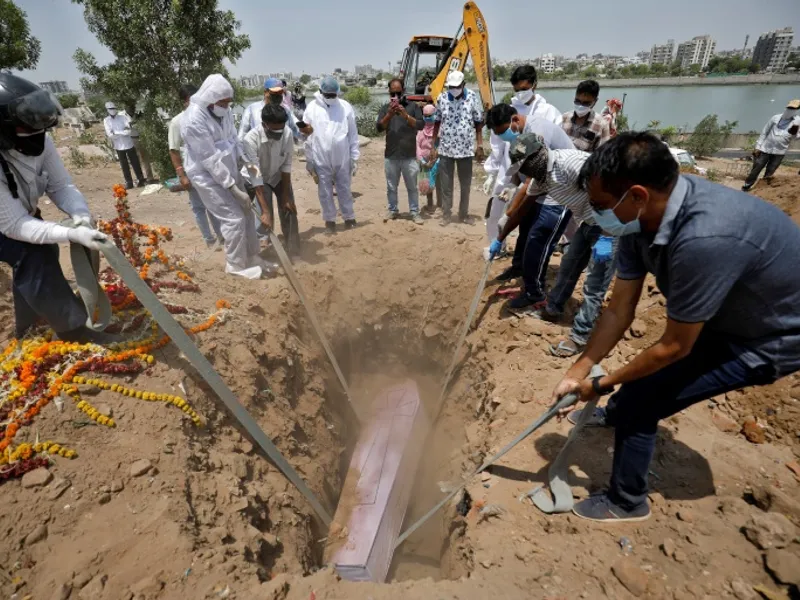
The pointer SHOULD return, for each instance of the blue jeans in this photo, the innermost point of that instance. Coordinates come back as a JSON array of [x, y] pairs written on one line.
[[710, 369], [202, 217], [572, 265], [409, 168], [543, 235], [594, 292]]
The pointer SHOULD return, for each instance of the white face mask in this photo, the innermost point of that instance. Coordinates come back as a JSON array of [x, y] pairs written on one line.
[[524, 96], [581, 110], [330, 101], [112, 112], [790, 113], [220, 111], [456, 92]]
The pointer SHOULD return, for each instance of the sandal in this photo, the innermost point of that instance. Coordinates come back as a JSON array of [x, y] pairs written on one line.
[[566, 349]]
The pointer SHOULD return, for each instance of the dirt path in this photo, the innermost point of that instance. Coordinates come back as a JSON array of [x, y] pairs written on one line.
[[214, 519]]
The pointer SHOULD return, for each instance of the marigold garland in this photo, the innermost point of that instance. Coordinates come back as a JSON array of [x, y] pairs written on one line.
[[37, 369]]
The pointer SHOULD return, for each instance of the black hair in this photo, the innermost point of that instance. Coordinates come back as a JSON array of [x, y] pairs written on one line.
[[589, 87], [274, 114], [499, 114], [631, 158], [524, 73], [397, 80], [186, 91]]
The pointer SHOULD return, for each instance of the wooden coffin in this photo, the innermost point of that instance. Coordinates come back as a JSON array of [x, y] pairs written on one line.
[[378, 486]]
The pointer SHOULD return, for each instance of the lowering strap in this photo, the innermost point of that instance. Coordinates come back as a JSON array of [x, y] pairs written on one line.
[[86, 264], [84, 272]]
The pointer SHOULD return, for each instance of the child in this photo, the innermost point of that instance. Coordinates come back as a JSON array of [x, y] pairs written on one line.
[[426, 155]]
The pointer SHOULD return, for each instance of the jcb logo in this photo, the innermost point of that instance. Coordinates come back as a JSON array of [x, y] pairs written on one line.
[[481, 26], [455, 64]]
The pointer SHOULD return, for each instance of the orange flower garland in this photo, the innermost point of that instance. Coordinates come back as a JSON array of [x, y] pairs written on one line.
[[36, 370]]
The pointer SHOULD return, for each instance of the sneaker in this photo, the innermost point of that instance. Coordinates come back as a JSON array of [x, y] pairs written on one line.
[[510, 273], [467, 220], [598, 507], [524, 304], [417, 219], [598, 418], [141, 183], [444, 221], [350, 224], [390, 215], [545, 315], [746, 188], [129, 186], [330, 227]]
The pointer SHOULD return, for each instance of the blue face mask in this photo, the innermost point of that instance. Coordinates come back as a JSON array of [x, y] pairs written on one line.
[[429, 119], [611, 224], [508, 135]]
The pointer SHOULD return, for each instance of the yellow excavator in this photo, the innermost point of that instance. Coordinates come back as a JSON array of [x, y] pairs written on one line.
[[449, 54]]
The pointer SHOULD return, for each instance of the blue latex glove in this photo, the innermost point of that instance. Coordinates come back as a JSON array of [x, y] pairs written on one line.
[[603, 250], [494, 249]]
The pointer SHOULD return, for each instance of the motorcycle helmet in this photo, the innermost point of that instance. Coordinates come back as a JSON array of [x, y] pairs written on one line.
[[24, 104]]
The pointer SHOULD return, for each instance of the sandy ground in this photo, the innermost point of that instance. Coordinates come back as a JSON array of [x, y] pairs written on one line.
[[215, 519]]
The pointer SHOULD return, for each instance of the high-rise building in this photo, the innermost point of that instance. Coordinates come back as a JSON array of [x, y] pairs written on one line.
[[365, 71], [548, 63], [662, 54], [55, 87], [772, 49], [697, 51]]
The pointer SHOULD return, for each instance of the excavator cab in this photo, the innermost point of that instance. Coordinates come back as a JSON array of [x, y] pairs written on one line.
[[429, 59]]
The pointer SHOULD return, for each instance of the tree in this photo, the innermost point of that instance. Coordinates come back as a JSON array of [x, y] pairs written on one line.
[[158, 45], [305, 79], [68, 100], [18, 48], [571, 68], [500, 72], [708, 136], [590, 72]]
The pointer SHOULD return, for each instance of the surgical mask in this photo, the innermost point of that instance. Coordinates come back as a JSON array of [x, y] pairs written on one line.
[[220, 111], [789, 113], [30, 144], [429, 119], [582, 110], [509, 135], [112, 112], [524, 96], [275, 134], [610, 223], [330, 101], [456, 92]]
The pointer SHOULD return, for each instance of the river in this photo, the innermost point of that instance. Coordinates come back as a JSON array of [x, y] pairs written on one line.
[[683, 106]]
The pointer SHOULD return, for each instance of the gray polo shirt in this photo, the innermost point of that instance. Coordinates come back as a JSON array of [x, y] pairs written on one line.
[[730, 260]]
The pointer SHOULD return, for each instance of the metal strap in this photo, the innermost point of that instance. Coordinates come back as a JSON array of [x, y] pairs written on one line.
[[184, 343], [287, 266]]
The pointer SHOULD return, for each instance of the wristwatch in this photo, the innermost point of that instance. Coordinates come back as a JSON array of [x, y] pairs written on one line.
[[598, 389]]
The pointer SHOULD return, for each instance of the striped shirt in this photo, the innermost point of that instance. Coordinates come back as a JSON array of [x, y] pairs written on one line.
[[563, 172]]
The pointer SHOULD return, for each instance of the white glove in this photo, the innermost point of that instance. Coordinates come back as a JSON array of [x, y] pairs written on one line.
[[508, 193], [90, 238], [355, 168], [241, 196], [501, 222], [488, 184], [83, 220]]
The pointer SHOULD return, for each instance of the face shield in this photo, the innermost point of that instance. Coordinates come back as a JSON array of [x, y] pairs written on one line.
[[37, 110]]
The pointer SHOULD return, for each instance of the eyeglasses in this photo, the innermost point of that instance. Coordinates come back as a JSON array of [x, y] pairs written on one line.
[[587, 103], [600, 208], [330, 96]]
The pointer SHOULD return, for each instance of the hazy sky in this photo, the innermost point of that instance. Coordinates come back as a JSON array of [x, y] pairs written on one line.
[[317, 36]]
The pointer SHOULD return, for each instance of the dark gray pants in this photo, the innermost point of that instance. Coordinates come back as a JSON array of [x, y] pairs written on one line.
[[290, 227], [446, 176], [126, 156], [770, 161]]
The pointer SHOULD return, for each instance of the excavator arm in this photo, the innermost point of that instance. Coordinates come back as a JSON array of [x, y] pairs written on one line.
[[473, 40]]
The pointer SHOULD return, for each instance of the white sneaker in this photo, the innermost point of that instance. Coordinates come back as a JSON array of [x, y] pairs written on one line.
[[249, 273]]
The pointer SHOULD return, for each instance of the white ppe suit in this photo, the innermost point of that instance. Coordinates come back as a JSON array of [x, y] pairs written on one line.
[[332, 151], [212, 154]]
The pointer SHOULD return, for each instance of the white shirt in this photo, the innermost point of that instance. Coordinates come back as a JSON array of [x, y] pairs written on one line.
[[539, 108], [266, 159], [774, 139], [563, 174], [118, 130], [174, 139], [35, 176]]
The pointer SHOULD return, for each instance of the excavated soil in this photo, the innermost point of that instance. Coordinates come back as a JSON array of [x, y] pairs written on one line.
[[215, 519]]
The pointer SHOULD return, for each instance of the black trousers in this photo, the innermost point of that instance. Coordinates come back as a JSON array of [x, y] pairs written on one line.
[[770, 161], [126, 156], [290, 227], [39, 287]]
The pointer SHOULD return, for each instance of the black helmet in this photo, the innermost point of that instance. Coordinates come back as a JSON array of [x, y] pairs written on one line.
[[24, 104]]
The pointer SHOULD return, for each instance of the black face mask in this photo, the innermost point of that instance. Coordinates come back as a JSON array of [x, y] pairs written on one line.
[[275, 99], [400, 97], [32, 145]]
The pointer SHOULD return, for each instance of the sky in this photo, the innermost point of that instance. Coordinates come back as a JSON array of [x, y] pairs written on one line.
[[318, 36]]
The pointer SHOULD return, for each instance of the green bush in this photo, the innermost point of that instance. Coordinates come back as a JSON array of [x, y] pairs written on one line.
[[708, 136], [622, 122], [77, 158], [359, 96], [68, 100], [366, 119], [507, 98], [86, 137]]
